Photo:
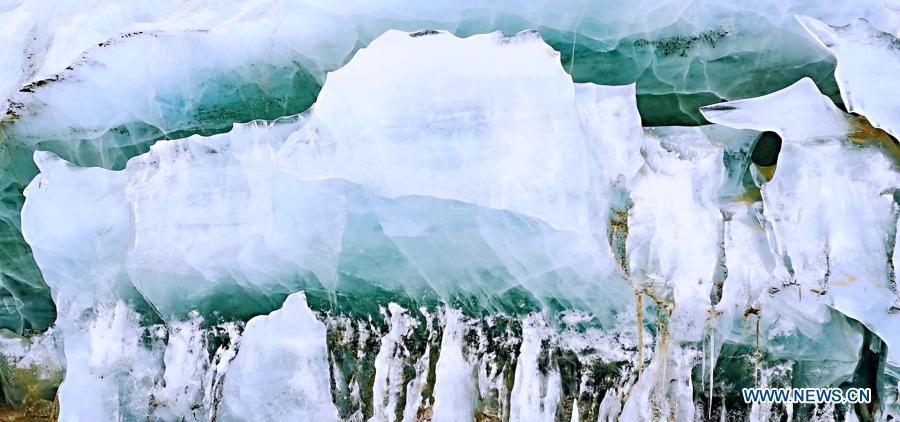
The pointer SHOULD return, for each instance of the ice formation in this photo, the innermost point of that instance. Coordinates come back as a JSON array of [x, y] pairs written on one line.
[[94, 81], [282, 370], [867, 60], [297, 210]]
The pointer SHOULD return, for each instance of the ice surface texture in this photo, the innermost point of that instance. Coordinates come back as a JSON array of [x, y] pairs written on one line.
[[460, 191], [97, 82], [473, 232]]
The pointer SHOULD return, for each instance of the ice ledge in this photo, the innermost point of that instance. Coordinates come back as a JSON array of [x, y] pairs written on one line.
[[797, 112], [867, 69]]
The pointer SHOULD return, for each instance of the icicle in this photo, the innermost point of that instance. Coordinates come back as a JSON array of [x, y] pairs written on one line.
[[575, 416], [536, 391], [454, 388], [712, 369], [388, 366], [215, 375], [416, 386], [610, 407], [703, 366], [723, 416]]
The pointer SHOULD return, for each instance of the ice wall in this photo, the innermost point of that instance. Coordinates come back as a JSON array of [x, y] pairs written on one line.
[[474, 241], [97, 82]]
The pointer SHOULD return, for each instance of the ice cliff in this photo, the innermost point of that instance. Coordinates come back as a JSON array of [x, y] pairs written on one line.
[[299, 211]]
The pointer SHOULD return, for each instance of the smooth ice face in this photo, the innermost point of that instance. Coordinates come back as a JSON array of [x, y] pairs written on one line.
[[799, 111], [97, 82], [868, 62], [513, 173], [795, 325], [233, 222], [830, 205], [677, 44], [88, 281], [429, 174], [833, 228], [281, 371], [478, 133], [124, 93], [235, 60]]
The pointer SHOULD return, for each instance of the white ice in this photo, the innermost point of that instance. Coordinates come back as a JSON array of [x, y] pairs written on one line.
[[868, 62], [281, 371], [827, 209]]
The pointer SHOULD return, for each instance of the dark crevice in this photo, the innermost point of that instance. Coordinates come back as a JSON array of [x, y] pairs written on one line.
[[868, 368], [765, 152]]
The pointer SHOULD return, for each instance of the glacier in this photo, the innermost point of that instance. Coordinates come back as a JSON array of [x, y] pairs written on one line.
[[239, 62], [299, 210]]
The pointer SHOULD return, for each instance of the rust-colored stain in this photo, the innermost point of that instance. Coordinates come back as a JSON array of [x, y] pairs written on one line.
[[866, 134]]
